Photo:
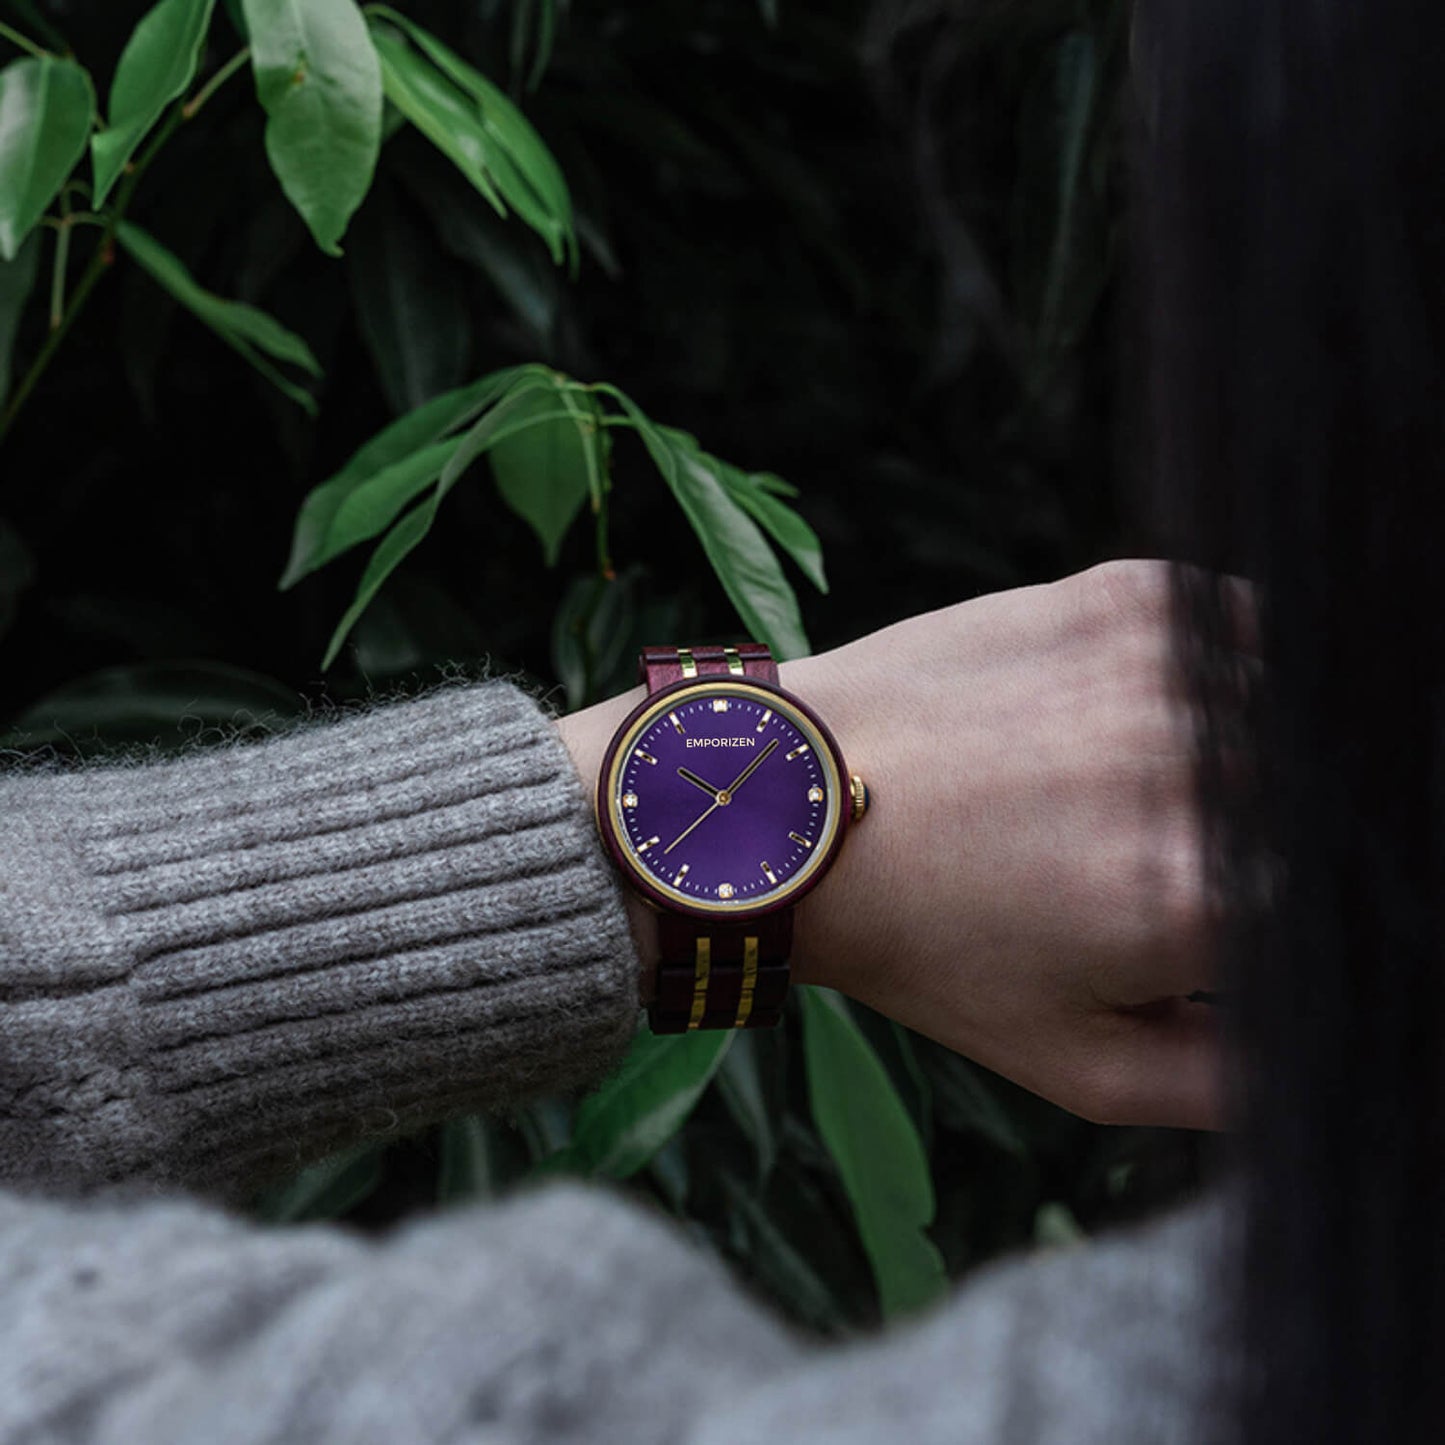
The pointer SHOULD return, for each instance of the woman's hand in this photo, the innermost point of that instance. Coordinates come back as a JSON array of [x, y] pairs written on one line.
[[1027, 887]]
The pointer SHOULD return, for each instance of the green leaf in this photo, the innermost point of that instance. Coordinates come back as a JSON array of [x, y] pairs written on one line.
[[880, 1158], [17, 280], [319, 81], [636, 1111], [392, 550], [408, 533], [382, 470], [1056, 1227], [593, 636], [512, 413], [157, 64], [253, 333], [369, 509], [736, 548], [406, 300], [740, 1082], [47, 107], [477, 127], [326, 1190], [546, 471], [478, 1158], [779, 521], [438, 110]]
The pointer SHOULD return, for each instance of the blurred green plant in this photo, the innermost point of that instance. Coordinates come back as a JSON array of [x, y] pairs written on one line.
[[826, 303]]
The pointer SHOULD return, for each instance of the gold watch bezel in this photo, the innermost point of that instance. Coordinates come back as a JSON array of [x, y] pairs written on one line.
[[608, 802]]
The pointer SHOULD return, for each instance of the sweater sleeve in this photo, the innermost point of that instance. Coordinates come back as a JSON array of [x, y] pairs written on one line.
[[219, 967]]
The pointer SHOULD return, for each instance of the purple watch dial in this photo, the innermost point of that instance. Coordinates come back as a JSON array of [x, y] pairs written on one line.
[[723, 800]]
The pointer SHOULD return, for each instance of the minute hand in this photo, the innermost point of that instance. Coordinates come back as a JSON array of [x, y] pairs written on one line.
[[751, 768]]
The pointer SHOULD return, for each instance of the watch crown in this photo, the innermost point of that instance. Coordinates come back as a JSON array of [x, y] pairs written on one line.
[[860, 796]]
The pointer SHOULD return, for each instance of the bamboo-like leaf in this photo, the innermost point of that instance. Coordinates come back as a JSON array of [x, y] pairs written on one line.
[[390, 470], [474, 123], [17, 280], [880, 1158], [779, 521], [645, 1102], [318, 79], [478, 1158], [734, 544], [504, 419], [47, 107], [158, 63], [438, 110], [391, 551], [547, 470], [260, 338], [740, 1083]]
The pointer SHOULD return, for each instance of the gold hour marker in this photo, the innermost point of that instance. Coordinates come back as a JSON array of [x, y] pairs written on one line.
[[725, 890], [643, 847], [646, 757], [720, 704], [769, 874], [672, 718], [815, 794], [680, 874], [767, 718], [797, 838], [796, 753], [629, 800]]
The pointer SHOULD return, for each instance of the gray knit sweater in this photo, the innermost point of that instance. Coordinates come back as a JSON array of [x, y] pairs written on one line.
[[215, 968]]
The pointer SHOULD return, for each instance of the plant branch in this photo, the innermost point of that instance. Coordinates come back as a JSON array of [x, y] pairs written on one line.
[[24, 42], [100, 262], [194, 104]]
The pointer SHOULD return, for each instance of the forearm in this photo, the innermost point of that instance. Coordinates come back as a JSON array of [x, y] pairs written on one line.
[[217, 968]]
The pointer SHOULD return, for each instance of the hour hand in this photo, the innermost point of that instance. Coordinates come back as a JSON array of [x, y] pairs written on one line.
[[697, 782]]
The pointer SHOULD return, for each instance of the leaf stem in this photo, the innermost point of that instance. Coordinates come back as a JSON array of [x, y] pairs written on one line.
[[100, 262], [194, 104], [57, 280], [24, 42]]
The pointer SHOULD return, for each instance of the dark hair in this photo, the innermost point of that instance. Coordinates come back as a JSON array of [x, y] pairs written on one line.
[[1292, 187]]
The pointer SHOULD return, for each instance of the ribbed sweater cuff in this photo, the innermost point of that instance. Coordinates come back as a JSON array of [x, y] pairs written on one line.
[[233, 962]]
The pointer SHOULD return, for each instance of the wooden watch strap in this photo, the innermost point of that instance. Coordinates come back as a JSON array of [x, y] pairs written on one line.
[[724, 974], [721, 976], [660, 667]]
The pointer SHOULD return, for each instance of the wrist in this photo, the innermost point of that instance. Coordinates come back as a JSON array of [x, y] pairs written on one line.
[[585, 734]]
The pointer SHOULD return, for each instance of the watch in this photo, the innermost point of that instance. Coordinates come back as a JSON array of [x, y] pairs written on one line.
[[722, 799]]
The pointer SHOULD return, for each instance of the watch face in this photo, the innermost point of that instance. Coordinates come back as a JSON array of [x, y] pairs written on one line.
[[723, 796]]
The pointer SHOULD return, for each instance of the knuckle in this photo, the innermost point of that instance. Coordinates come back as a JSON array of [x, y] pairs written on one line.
[[1131, 592]]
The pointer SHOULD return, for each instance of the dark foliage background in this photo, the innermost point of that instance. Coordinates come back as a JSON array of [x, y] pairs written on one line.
[[872, 247]]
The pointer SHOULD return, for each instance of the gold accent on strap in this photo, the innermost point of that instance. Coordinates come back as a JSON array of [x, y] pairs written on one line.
[[689, 666], [701, 974], [735, 663], [750, 981]]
